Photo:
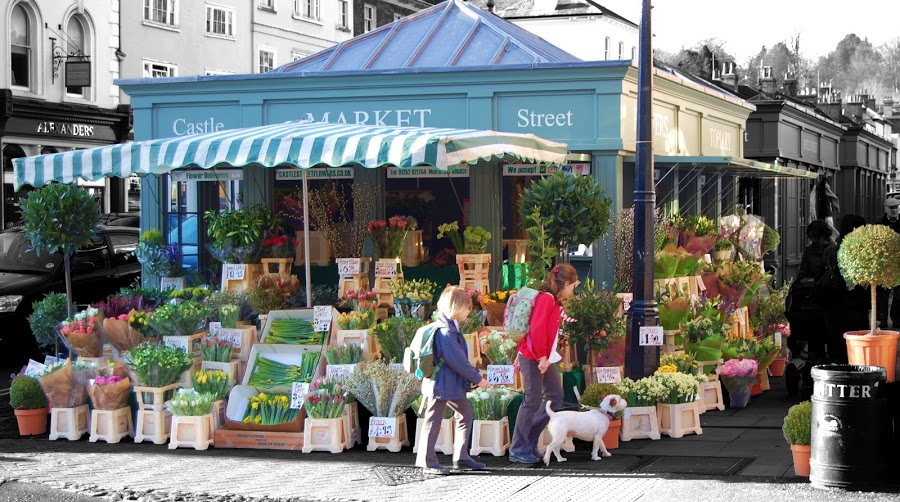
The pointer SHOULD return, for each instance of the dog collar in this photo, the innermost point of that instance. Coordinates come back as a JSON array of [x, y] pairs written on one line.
[[610, 415]]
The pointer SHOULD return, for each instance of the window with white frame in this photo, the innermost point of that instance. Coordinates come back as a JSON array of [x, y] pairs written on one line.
[[343, 14], [267, 4], [307, 9], [21, 41], [633, 52], [266, 59], [296, 55], [621, 50], [77, 42], [606, 48], [161, 12], [156, 69], [368, 18], [219, 21]]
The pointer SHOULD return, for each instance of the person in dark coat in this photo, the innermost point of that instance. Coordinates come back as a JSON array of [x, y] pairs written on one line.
[[812, 263], [891, 219], [845, 309], [453, 377], [812, 267]]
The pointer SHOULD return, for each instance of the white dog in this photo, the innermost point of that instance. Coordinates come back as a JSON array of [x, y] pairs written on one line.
[[584, 425]]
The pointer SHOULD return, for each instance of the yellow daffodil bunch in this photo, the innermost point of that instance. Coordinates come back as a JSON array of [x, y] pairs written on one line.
[[269, 409], [214, 382]]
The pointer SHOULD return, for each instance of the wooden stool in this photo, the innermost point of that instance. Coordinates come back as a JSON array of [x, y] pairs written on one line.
[[639, 423], [444, 440], [218, 414], [69, 423], [191, 432], [111, 425], [281, 266], [491, 436], [324, 434], [351, 424], [676, 420], [711, 396], [153, 425], [352, 281], [473, 271]]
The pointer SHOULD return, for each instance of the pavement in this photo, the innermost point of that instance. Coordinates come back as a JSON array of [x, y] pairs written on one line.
[[741, 455]]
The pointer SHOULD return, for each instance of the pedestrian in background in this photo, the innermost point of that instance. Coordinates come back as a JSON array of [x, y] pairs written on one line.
[[891, 219], [537, 360], [448, 385]]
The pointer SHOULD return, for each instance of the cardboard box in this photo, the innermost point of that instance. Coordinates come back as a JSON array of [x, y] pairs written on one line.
[[237, 407], [286, 354], [226, 438], [304, 314]]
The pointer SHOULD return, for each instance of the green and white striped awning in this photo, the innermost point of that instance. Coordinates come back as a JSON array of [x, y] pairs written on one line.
[[300, 144]]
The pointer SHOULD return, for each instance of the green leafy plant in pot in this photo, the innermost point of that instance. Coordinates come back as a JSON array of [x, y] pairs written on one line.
[[46, 315], [868, 257], [797, 432], [27, 398]]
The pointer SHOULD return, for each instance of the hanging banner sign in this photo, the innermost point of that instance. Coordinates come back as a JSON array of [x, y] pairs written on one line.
[[315, 173], [427, 172], [544, 170], [208, 175]]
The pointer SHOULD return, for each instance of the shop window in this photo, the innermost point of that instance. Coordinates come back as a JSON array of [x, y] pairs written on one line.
[[77, 43], [122, 247], [307, 9], [266, 59], [219, 21], [155, 69], [369, 22], [21, 41], [343, 15], [164, 12], [47, 150]]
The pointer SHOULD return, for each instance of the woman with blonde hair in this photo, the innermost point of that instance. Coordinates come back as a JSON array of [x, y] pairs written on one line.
[[537, 360], [448, 385]]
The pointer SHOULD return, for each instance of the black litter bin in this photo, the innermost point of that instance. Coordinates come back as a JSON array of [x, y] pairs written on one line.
[[851, 426]]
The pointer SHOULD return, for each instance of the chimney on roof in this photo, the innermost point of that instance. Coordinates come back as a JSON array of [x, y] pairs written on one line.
[[871, 103], [767, 82], [887, 106], [808, 96], [729, 79], [831, 106], [855, 106]]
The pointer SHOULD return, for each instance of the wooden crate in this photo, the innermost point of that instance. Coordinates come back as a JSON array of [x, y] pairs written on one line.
[[518, 251], [361, 337], [236, 406], [545, 438], [287, 354], [276, 315], [639, 422], [191, 432], [258, 440], [231, 368], [277, 266], [676, 420], [351, 424], [393, 444], [111, 425], [413, 249], [191, 343], [474, 270], [711, 396], [218, 414], [69, 423], [444, 440], [319, 249], [251, 272], [490, 436], [383, 283], [324, 434]]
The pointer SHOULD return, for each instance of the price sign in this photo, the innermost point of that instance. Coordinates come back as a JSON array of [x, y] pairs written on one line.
[[382, 427], [234, 336], [385, 268], [233, 271], [608, 374], [627, 298], [700, 285], [176, 283], [34, 368], [500, 374], [48, 360], [650, 336], [215, 328], [322, 317], [339, 371], [348, 266], [298, 394], [176, 341]]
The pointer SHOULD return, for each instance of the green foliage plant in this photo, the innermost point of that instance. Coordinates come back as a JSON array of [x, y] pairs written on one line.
[[594, 394], [868, 256], [158, 365], [596, 324], [46, 315], [237, 234], [394, 334], [60, 217], [543, 253], [798, 424], [25, 393]]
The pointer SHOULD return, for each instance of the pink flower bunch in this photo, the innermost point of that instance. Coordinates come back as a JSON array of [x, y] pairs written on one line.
[[361, 299], [122, 317], [476, 295], [107, 380], [737, 368], [79, 326]]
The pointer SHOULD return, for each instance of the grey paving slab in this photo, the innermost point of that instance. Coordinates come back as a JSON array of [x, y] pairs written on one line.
[[762, 468], [676, 447], [715, 434]]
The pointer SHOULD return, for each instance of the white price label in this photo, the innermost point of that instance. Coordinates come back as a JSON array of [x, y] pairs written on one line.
[[651, 336], [322, 317], [382, 427], [700, 285], [34, 368], [778, 338], [215, 328], [176, 283], [500, 374], [348, 266], [176, 341], [385, 269], [608, 374], [340, 371], [298, 394], [234, 336], [233, 271], [627, 298], [48, 360], [397, 366]]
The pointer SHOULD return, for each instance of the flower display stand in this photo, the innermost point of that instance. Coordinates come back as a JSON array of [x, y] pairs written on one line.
[[242, 338], [386, 271], [193, 344], [153, 420], [351, 424], [474, 349], [324, 434], [393, 444], [351, 280], [319, 249], [69, 423], [676, 420], [111, 425], [154, 398], [191, 432], [247, 278], [279, 266], [711, 396], [491, 436], [473, 271], [545, 438], [218, 414], [413, 249], [517, 250], [703, 365], [444, 440], [640, 422], [359, 337]]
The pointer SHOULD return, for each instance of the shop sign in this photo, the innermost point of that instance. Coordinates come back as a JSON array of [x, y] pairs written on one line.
[[427, 172], [545, 170], [208, 175], [78, 73], [65, 129], [315, 173]]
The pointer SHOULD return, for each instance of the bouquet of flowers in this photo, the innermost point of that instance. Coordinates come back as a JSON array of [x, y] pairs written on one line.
[[696, 234], [179, 319], [361, 299], [499, 347], [414, 291], [158, 365], [190, 403], [737, 376], [357, 319], [279, 246], [344, 354], [703, 338], [673, 261], [494, 304], [65, 383], [272, 292], [83, 333], [217, 351], [228, 315], [679, 387], [326, 399], [770, 310], [683, 363], [763, 350], [270, 373], [389, 236], [476, 238], [674, 307], [109, 392], [491, 403], [197, 293], [269, 409], [645, 392], [139, 321], [736, 282], [158, 258], [384, 391], [394, 334], [212, 382]]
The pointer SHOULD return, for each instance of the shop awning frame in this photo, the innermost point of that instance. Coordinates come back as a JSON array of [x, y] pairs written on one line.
[[730, 165]]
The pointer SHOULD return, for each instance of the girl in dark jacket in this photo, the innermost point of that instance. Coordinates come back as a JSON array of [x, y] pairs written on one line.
[[449, 384]]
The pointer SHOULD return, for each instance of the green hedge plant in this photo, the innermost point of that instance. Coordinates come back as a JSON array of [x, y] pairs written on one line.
[[25, 393], [798, 423], [46, 315]]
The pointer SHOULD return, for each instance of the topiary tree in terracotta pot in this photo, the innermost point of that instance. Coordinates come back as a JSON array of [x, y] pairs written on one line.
[[797, 431], [27, 398], [868, 256]]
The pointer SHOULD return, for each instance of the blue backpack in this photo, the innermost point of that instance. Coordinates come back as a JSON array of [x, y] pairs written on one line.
[[418, 358]]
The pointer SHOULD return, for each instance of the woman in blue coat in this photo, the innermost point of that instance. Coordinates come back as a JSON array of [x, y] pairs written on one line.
[[449, 384]]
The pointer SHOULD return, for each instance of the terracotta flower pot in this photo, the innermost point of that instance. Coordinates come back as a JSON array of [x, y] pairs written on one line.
[[777, 366], [611, 438], [32, 422], [801, 459], [873, 350]]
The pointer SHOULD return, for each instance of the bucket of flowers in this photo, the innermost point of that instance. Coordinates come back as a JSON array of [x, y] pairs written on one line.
[[386, 392], [494, 305], [640, 419], [389, 236], [738, 375], [490, 430], [192, 421], [677, 408], [325, 428], [413, 298]]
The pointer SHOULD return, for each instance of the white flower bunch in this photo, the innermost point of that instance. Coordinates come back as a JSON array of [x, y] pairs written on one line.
[[491, 403], [86, 314], [645, 392], [415, 290], [679, 387]]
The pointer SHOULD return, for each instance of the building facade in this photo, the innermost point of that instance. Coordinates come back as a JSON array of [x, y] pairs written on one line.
[[370, 14]]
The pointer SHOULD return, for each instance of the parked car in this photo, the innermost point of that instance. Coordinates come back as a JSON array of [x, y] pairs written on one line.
[[98, 270]]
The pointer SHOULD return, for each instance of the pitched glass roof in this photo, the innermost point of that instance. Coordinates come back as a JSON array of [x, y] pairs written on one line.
[[451, 34]]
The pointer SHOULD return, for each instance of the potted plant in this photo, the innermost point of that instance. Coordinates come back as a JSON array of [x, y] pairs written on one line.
[[30, 404], [770, 313], [116, 311], [796, 428], [237, 234], [191, 420], [157, 258], [868, 257], [217, 356], [593, 395], [723, 250], [594, 324], [158, 367], [388, 236], [111, 416], [46, 316]]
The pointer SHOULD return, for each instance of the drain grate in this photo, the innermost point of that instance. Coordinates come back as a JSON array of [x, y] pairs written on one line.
[[394, 475], [712, 466]]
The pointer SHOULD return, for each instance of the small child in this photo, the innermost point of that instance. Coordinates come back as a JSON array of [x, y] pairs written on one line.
[[449, 385]]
